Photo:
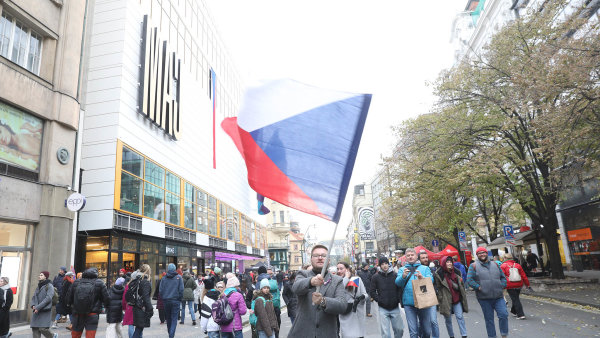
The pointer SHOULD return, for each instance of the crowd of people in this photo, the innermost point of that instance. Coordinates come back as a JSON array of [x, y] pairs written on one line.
[[319, 304]]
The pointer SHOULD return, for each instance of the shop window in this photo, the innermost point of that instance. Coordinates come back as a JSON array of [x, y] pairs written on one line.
[[15, 260], [190, 215], [97, 243], [20, 44], [153, 202], [173, 209], [129, 244], [98, 260], [115, 242], [131, 192], [154, 174], [129, 262], [13, 235], [132, 162]]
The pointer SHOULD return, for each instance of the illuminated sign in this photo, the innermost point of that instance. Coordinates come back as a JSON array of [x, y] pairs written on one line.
[[159, 82]]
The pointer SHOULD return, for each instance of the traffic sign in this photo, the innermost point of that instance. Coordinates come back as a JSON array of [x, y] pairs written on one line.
[[435, 242], [508, 232], [463, 246], [462, 236]]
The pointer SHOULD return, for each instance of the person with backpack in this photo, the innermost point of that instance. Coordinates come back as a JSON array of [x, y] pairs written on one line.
[[189, 285], [515, 278], [128, 309], [238, 306], [207, 322], [171, 291], [6, 301], [114, 311], [264, 311], [57, 282], [138, 295], [276, 302], [452, 297], [67, 282], [86, 298], [41, 304], [262, 274]]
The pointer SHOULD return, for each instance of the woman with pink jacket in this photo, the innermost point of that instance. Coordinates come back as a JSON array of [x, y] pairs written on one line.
[[238, 306], [128, 317]]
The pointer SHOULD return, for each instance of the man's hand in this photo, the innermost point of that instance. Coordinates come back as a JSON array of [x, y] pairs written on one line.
[[419, 275], [317, 280], [316, 298], [405, 273]]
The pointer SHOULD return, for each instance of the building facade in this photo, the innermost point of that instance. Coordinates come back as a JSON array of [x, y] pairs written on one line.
[[163, 182], [40, 47], [296, 250], [279, 224], [363, 219]]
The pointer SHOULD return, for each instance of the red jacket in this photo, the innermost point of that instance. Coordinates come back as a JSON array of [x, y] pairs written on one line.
[[506, 269]]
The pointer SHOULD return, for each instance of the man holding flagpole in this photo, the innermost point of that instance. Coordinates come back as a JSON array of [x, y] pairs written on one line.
[[317, 311]]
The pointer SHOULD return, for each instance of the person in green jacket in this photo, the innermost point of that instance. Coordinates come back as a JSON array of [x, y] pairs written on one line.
[[188, 297]]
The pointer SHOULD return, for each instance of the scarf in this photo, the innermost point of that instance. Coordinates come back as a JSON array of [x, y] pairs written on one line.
[[451, 279], [4, 290], [43, 282]]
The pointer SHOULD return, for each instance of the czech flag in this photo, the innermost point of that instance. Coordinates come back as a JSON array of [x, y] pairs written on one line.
[[354, 282], [299, 143]]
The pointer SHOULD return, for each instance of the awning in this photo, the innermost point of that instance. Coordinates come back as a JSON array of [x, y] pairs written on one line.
[[500, 242]]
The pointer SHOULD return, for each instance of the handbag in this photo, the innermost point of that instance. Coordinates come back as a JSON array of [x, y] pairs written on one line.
[[423, 293]]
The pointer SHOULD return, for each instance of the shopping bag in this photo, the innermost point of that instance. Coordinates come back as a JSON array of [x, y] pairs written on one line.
[[424, 293]]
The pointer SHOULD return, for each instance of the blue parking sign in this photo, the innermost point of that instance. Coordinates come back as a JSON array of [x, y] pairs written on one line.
[[462, 236], [508, 232]]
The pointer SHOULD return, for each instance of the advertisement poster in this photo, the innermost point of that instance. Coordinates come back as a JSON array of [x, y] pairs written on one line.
[[366, 222], [20, 138]]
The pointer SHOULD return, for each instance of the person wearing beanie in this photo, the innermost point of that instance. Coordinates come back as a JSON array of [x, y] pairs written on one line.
[[266, 320], [262, 274], [171, 291], [321, 307], [488, 281], [383, 290], [41, 304], [114, 311], [238, 306]]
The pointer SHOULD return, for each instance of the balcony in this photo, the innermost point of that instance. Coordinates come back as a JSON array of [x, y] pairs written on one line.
[[280, 228], [279, 245]]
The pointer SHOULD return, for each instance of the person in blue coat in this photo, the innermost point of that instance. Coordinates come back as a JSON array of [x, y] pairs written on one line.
[[414, 317], [461, 268]]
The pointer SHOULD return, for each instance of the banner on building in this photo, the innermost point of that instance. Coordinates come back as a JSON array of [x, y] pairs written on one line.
[[366, 223], [20, 138]]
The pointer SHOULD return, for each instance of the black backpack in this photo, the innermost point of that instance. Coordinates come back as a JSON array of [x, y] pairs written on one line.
[[84, 296], [132, 296]]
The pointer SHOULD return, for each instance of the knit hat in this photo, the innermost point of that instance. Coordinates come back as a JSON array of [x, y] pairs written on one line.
[[171, 267], [262, 269], [264, 282], [232, 282], [63, 268], [480, 249], [120, 281], [209, 284], [217, 270], [46, 273], [383, 260], [70, 273]]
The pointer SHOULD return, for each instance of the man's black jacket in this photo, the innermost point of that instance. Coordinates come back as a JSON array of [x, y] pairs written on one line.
[[384, 290]]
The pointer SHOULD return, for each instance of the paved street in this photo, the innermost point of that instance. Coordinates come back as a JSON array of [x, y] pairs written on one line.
[[544, 319]]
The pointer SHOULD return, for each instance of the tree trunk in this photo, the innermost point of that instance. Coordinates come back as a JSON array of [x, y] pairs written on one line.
[[549, 233]]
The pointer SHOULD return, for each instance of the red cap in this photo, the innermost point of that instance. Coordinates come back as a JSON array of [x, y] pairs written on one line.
[[480, 249], [122, 270]]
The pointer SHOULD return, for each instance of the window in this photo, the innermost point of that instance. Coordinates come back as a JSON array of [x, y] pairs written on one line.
[[282, 217], [20, 44]]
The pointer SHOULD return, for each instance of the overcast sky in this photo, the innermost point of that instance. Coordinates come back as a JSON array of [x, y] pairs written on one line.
[[386, 48]]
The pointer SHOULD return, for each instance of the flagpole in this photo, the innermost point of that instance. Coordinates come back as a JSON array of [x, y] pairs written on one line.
[[326, 265]]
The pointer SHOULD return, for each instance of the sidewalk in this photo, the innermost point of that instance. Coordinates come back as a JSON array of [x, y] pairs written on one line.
[[586, 295]]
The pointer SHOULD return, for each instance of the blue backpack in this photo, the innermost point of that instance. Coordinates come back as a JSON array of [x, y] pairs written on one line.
[[275, 293], [253, 317]]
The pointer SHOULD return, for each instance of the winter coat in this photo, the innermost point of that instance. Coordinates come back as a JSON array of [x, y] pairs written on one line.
[[160, 305], [313, 321], [488, 277], [57, 282], [101, 293], [64, 309], [189, 285], [266, 320], [290, 299], [259, 278], [128, 309], [444, 294], [42, 300], [249, 295], [506, 269], [238, 306], [171, 287], [365, 276], [142, 315], [6, 301], [384, 290], [407, 296], [198, 291], [463, 271], [114, 311], [353, 324], [207, 322]]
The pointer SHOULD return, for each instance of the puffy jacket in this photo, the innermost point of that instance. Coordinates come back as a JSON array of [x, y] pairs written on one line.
[[291, 301], [66, 286], [142, 315], [274, 289], [101, 297], [506, 269], [114, 311], [57, 282], [171, 287], [188, 286], [207, 322], [407, 296], [238, 306], [383, 289]]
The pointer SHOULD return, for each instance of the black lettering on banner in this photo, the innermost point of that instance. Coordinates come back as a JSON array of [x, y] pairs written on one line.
[[159, 82]]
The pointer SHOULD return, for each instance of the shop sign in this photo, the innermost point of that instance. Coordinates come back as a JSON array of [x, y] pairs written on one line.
[[171, 250], [159, 82], [75, 202], [579, 234], [198, 253]]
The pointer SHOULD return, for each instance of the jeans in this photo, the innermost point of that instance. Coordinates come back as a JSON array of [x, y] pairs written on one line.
[[458, 312], [227, 335], [487, 307], [190, 304], [171, 313], [435, 329], [138, 332], [130, 330], [238, 334], [418, 318], [57, 317], [214, 334], [393, 317], [262, 334], [516, 307]]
